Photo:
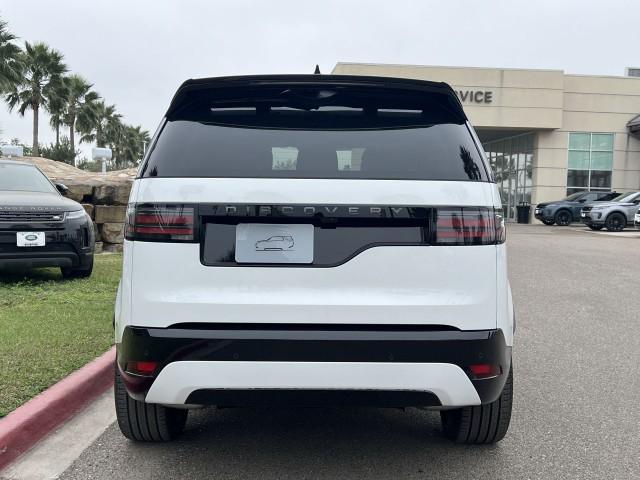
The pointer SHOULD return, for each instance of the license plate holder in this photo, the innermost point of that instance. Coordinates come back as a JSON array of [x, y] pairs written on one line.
[[30, 239], [274, 243]]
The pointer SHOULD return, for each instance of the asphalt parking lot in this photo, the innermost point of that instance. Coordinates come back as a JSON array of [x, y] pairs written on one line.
[[577, 392]]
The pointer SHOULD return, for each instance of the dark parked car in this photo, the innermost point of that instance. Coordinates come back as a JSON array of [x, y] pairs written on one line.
[[563, 212], [39, 227]]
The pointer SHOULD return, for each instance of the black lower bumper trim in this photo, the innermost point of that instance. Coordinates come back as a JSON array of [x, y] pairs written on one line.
[[36, 257], [312, 398], [316, 343]]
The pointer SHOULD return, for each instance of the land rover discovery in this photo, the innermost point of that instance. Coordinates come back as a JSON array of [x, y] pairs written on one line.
[[388, 284]]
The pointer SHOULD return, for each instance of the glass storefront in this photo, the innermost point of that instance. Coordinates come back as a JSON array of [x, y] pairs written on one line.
[[511, 159]]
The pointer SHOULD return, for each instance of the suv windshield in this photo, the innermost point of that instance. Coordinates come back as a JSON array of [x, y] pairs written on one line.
[[23, 178], [444, 151], [573, 196], [625, 197]]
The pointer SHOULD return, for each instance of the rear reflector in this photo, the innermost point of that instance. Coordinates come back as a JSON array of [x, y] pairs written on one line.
[[484, 370], [163, 223], [141, 368]]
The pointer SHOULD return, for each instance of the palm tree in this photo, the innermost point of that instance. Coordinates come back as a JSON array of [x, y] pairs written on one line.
[[81, 105], [57, 106], [127, 143], [104, 127], [10, 67], [42, 68], [115, 139], [135, 140]]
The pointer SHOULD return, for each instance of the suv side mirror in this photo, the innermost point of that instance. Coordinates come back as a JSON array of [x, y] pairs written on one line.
[[62, 188], [582, 200]]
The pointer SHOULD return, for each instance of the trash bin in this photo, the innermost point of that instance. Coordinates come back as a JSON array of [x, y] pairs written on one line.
[[523, 212]]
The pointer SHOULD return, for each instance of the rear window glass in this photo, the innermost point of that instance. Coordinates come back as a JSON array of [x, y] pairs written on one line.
[[197, 149]]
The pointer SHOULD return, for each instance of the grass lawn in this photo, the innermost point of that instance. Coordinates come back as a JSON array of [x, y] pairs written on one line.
[[50, 327]]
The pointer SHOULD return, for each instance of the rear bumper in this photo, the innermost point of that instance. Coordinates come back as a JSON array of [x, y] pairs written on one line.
[[230, 365]]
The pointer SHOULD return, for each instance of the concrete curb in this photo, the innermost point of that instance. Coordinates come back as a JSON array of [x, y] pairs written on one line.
[[27, 424]]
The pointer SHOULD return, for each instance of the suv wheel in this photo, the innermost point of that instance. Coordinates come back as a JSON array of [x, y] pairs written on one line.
[[548, 222], [482, 423], [595, 227], [615, 222], [146, 422], [78, 272], [563, 218]]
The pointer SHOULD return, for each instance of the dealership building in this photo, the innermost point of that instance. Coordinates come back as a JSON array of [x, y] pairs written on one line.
[[546, 133]]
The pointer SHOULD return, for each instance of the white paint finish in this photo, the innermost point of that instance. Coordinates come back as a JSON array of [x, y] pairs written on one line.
[[448, 382], [123, 298], [504, 302], [383, 285], [313, 191], [56, 452]]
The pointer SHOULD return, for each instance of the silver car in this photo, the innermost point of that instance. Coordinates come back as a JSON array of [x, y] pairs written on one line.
[[614, 215]]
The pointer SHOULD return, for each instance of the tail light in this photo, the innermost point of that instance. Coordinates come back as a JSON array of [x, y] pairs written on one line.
[[469, 226], [160, 223]]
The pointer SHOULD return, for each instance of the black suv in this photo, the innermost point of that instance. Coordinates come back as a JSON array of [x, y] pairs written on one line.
[[38, 226], [563, 212]]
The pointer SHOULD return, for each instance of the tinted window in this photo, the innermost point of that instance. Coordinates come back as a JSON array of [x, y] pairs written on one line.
[[23, 178], [197, 149], [607, 196]]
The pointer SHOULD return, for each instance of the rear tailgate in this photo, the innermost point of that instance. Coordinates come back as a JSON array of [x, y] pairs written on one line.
[[409, 284]]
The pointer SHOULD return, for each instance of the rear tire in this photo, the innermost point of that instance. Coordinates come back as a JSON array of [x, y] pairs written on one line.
[[77, 272], [563, 218], [595, 227], [616, 222], [146, 422], [480, 424], [548, 222]]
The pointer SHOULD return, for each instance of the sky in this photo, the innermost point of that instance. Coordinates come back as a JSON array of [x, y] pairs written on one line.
[[137, 52]]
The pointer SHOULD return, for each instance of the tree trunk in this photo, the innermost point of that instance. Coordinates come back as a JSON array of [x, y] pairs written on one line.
[[57, 134], [72, 138], [34, 149]]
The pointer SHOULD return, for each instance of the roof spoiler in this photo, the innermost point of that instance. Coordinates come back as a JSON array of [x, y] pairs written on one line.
[[314, 91]]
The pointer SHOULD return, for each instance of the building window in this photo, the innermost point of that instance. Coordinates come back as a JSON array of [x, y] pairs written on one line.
[[511, 160], [590, 161]]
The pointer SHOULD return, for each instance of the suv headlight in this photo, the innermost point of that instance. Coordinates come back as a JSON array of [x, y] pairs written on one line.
[[76, 214], [596, 208]]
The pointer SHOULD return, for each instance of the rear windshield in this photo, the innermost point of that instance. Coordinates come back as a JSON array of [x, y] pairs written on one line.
[[444, 151]]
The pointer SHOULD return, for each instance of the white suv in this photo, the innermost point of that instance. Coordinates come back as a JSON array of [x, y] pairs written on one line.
[[392, 289]]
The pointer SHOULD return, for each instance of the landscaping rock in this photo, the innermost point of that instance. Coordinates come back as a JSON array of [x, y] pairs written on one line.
[[88, 208], [112, 248], [115, 194], [80, 192], [110, 214], [98, 248], [112, 233]]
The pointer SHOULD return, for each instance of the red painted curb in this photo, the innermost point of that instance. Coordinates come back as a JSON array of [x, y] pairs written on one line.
[[27, 424]]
